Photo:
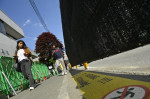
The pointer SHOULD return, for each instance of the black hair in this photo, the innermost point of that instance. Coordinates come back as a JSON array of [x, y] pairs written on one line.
[[24, 45]]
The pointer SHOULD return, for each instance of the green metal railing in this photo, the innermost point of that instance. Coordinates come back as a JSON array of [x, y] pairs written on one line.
[[17, 80], [40, 71]]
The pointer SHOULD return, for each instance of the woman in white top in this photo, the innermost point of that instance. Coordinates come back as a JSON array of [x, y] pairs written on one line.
[[22, 56]]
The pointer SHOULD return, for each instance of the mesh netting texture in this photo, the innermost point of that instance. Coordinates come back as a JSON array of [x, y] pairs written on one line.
[[94, 29]]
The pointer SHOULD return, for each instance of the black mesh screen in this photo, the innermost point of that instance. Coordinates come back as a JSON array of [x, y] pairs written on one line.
[[94, 29]]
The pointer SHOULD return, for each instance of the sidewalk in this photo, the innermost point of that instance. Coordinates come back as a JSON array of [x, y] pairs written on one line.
[[120, 70], [57, 87], [136, 62]]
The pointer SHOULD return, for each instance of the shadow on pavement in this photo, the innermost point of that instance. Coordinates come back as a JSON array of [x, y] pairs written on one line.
[[145, 78], [128, 76], [75, 71]]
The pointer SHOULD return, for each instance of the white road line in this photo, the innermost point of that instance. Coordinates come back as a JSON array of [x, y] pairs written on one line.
[[63, 94]]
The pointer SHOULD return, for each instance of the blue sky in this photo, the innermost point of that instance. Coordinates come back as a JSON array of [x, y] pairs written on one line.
[[22, 13]]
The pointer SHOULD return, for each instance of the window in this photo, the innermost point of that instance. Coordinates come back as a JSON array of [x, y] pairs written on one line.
[[2, 28]]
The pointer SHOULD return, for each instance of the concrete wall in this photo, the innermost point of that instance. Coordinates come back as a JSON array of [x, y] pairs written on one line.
[[7, 44]]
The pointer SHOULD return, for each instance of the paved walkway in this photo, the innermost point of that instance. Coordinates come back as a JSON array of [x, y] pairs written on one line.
[[136, 62], [57, 87]]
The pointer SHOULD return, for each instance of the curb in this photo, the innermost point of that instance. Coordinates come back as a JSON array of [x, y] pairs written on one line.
[[131, 72]]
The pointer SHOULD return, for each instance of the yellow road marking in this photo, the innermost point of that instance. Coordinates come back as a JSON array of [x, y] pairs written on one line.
[[96, 86]]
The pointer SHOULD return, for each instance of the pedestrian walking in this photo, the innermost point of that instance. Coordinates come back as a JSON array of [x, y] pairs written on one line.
[[22, 56], [58, 56], [66, 61]]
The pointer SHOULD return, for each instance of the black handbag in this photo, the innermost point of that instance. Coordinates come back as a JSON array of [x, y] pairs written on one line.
[[17, 67]]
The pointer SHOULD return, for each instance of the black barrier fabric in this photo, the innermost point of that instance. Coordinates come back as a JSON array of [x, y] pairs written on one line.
[[94, 29]]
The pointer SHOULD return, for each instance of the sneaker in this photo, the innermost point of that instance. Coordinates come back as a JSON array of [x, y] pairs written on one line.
[[31, 88], [62, 73], [65, 73]]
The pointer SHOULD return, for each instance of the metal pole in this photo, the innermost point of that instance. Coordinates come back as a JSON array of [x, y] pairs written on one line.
[[9, 83]]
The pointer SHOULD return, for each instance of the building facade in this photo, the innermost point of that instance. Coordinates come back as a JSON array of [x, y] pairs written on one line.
[[10, 32]]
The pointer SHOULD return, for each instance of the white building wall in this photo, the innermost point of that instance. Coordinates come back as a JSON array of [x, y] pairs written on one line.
[[7, 44], [11, 23]]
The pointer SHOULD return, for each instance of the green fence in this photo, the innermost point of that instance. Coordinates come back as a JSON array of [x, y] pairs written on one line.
[[40, 71], [17, 80]]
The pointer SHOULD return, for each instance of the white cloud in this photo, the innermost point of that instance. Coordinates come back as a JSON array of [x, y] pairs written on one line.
[[38, 24], [27, 22], [35, 38], [35, 24]]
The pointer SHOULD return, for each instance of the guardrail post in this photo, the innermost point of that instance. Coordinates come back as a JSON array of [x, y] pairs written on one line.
[[9, 83]]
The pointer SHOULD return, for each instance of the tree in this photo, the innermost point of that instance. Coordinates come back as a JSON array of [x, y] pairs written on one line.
[[43, 46]]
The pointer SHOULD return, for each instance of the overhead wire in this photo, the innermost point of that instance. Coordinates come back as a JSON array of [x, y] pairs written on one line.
[[38, 14]]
